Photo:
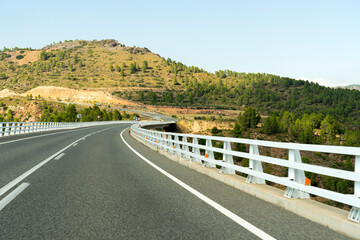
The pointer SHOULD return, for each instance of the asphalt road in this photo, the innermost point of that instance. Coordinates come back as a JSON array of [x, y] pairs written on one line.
[[95, 187]]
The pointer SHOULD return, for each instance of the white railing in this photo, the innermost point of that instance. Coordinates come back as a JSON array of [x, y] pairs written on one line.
[[187, 146], [12, 128]]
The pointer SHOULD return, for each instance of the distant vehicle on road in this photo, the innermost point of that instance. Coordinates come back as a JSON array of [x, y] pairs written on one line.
[[97, 104]]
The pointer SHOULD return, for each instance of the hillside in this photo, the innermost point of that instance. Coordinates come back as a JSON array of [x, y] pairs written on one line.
[[137, 74]]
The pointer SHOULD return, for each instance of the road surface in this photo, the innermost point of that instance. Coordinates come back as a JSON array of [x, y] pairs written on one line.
[[88, 184]]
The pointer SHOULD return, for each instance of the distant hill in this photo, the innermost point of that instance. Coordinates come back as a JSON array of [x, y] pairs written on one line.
[[353, 86], [137, 74]]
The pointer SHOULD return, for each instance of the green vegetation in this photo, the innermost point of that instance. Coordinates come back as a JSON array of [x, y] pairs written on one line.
[[69, 113], [312, 129]]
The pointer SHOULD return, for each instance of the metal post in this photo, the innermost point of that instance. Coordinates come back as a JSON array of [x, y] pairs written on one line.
[[196, 151], [295, 175], [209, 154], [255, 166], [185, 147], [228, 159], [354, 214], [11, 129], [176, 145], [7, 129]]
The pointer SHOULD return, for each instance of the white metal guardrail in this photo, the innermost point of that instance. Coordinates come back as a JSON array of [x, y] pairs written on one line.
[[12, 128], [187, 146]]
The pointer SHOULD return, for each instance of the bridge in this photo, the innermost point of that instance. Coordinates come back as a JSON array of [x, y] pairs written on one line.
[[115, 180]]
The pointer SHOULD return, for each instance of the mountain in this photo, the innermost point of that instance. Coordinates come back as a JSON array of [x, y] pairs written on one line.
[[353, 86], [137, 74]]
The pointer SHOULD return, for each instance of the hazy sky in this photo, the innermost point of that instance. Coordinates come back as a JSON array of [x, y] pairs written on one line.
[[314, 40]]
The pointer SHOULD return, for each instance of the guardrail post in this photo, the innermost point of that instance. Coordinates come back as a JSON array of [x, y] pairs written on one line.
[[22, 128], [209, 154], [195, 151], [12, 129], [255, 166], [158, 139], [296, 176], [27, 128], [2, 129], [185, 147], [161, 141], [354, 214], [228, 159], [176, 145], [168, 142], [7, 129]]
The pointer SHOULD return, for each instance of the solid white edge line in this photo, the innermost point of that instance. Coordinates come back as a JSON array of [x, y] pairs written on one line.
[[6, 200], [59, 156], [11, 184], [256, 231]]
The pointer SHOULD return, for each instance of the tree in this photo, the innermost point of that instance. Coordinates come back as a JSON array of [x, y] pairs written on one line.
[[287, 120], [76, 58], [70, 113], [249, 119], [117, 115], [169, 97], [144, 65], [330, 127], [342, 186], [352, 138], [140, 96], [307, 134], [133, 68], [152, 97], [3, 76], [190, 99], [215, 130], [44, 55], [272, 125], [117, 67], [111, 67]]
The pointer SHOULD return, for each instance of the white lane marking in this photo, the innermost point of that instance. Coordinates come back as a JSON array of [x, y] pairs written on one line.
[[258, 232], [77, 143], [11, 184], [59, 156], [6, 200]]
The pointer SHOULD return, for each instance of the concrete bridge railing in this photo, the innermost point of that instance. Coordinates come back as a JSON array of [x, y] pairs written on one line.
[[297, 185]]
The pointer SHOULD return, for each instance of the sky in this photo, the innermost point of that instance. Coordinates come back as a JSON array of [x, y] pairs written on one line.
[[310, 39]]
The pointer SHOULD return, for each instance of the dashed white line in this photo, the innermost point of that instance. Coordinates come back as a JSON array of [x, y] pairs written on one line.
[[17, 180], [59, 156], [6, 200], [75, 144], [44, 135], [256, 231]]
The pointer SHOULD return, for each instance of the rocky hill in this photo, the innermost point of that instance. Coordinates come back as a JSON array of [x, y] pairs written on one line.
[[137, 74]]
